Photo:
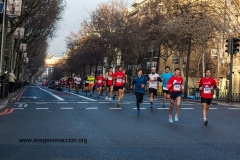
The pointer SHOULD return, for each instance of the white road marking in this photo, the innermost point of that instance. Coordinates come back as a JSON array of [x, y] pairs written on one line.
[[103, 102], [59, 98], [92, 108], [34, 97], [42, 108], [82, 102], [162, 108], [62, 102], [25, 105], [140, 108], [213, 108], [18, 108], [66, 108], [187, 108], [115, 108], [20, 105], [41, 103], [234, 108], [82, 96]]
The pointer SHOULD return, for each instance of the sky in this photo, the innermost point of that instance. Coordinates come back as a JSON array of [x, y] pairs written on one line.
[[72, 17]]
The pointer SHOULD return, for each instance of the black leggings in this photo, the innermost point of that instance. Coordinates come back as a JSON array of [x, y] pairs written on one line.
[[139, 97]]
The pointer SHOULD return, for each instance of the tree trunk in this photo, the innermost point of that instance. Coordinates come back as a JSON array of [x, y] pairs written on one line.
[[96, 68], [187, 68]]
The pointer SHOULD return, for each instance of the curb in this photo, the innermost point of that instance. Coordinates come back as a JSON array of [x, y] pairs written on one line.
[[5, 101]]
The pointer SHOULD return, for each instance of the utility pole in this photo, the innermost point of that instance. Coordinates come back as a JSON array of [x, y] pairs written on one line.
[[232, 48]]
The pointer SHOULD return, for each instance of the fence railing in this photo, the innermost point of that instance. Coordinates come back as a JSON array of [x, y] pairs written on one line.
[[4, 88]]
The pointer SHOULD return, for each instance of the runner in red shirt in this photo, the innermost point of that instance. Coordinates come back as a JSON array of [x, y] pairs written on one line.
[[109, 83], [206, 86], [118, 77], [174, 84], [99, 80]]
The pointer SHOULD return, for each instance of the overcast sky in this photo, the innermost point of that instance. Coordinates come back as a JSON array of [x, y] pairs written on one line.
[[71, 22]]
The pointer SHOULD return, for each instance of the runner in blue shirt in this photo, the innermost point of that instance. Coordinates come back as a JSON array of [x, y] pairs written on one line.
[[165, 77], [140, 82]]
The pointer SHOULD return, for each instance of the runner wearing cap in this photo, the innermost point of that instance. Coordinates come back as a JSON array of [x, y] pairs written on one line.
[[153, 79]]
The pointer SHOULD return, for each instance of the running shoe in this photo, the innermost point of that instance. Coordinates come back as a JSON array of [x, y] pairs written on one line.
[[170, 120], [151, 104], [106, 97], [114, 97], [176, 118], [205, 122], [163, 106], [138, 112], [90, 94], [118, 104], [110, 99]]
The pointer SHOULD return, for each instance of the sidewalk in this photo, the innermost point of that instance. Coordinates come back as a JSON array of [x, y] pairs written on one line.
[[5, 101]]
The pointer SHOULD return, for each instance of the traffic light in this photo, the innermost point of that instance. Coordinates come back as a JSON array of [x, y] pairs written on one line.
[[229, 45], [235, 45]]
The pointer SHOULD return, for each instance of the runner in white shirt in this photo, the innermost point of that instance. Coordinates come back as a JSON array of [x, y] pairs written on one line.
[[77, 81], [153, 79]]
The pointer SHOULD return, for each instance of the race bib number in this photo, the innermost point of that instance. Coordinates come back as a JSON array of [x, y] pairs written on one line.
[[119, 80], [164, 88], [99, 81], [110, 78], [177, 87], [207, 90]]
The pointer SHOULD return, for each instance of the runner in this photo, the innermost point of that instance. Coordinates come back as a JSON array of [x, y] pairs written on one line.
[[165, 77], [153, 79], [124, 82], [109, 83], [99, 80], [175, 86], [140, 82], [86, 89], [118, 84], [77, 81], [91, 80], [206, 86]]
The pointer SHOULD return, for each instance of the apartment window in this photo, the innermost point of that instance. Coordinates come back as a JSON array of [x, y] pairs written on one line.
[[129, 67]]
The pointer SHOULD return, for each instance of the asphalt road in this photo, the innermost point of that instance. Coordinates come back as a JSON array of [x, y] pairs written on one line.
[[41, 123]]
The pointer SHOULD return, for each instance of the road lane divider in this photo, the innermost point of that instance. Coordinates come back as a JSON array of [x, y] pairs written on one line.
[[42, 108], [139, 108], [18, 96], [59, 98], [91, 108], [66, 108], [82, 96]]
